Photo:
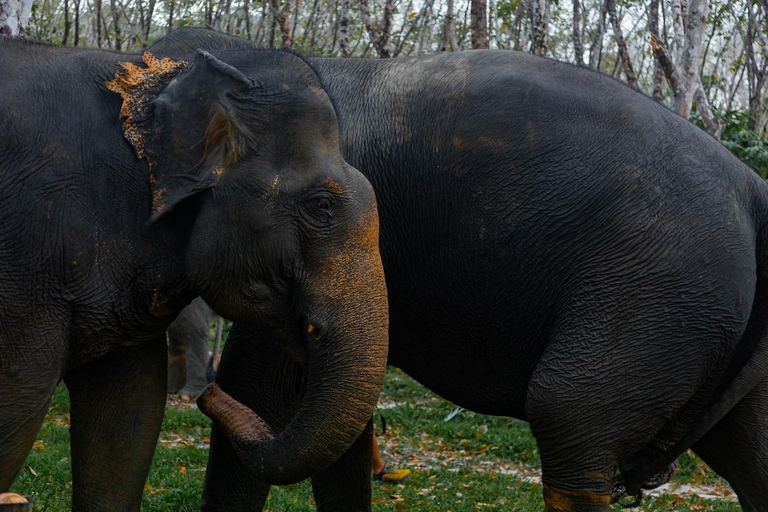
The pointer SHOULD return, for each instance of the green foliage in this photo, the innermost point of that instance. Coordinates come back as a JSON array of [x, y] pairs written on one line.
[[748, 145], [472, 462]]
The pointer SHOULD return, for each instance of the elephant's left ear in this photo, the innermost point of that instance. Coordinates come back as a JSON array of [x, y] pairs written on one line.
[[181, 119]]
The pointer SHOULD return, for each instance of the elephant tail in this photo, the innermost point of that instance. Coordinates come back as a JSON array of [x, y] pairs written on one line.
[[745, 376]]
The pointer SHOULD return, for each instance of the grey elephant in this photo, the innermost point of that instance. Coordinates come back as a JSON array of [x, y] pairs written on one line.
[[557, 248], [188, 354], [130, 186]]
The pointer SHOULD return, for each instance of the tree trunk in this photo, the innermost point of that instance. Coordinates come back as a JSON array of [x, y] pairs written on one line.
[[247, 16], [98, 23], [170, 16], [14, 16], [479, 24], [67, 23], [282, 17], [597, 42], [539, 29], [689, 65], [626, 63], [148, 23], [578, 49], [344, 37], [116, 23], [448, 39], [77, 23], [379, 34], [712, 124], [426, 29], [653, 28]]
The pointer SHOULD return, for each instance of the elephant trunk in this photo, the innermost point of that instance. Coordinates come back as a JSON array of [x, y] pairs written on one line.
[[346, 346]]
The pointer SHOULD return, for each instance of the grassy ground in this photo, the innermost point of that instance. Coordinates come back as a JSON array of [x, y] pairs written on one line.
[[470, 463]]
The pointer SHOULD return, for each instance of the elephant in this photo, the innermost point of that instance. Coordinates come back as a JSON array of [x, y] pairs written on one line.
[[188, 354], [132, 184], [558, 248]]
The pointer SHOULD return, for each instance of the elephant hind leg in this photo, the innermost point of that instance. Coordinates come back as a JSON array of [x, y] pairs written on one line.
[[592, 403], [116, 408], [737, 448]]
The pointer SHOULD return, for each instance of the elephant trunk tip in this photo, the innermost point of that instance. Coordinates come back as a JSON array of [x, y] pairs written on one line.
[[236, 419]]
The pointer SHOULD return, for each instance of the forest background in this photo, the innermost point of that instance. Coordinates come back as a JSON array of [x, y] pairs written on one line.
[[704, 59]]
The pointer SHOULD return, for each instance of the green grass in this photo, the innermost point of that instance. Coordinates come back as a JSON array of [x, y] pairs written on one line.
[[470, 463]]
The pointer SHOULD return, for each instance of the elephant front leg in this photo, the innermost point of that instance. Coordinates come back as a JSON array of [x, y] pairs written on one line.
[[259, 373], [117, 406], [30, 368], [345, 486]]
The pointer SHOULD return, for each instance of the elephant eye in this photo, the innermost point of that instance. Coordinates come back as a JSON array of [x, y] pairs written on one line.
[[318, 209], [323, 203]]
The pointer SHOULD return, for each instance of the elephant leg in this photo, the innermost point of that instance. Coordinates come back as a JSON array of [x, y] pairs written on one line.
[[117, 406], [260, 374], [177, 363], [345, 486], [584, 421], [188, 338], [737, 448], [28, 378]]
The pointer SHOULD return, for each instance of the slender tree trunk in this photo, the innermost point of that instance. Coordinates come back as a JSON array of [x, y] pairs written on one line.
[[67, 23], [539, 28], [98, 23], [426, 29], [116, 24], [479, 24], [344, 37], [597, 42], [756, 72], [247, 16], [77, 23], [448, 39], [578, 48], [626, 62], [653, 28], [272, 26], [170, 16], [148, 24], [379, 34], [678, 28], [312, 26], [296, 15], [689, 65], [712, 124]]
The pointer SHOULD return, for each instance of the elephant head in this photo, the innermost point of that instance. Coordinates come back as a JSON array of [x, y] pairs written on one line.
[[284, 235]]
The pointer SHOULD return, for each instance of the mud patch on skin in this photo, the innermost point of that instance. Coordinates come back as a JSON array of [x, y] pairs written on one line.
[[332, 186], [158, 197], [271, 196], [138, 87], [157, 308], [562, 500]]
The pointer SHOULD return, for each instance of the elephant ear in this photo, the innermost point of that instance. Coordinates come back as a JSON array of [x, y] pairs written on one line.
[[182, 119]]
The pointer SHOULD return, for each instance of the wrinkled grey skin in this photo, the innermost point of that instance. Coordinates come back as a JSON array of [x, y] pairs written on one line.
[[557, 248], [129, 189], [188, 353]]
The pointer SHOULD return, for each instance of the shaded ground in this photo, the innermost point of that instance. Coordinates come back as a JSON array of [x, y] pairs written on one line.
[[470, 463]]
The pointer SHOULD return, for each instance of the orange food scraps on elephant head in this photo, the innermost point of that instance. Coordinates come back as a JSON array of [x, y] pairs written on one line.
[[332, 186], [138, 87]]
